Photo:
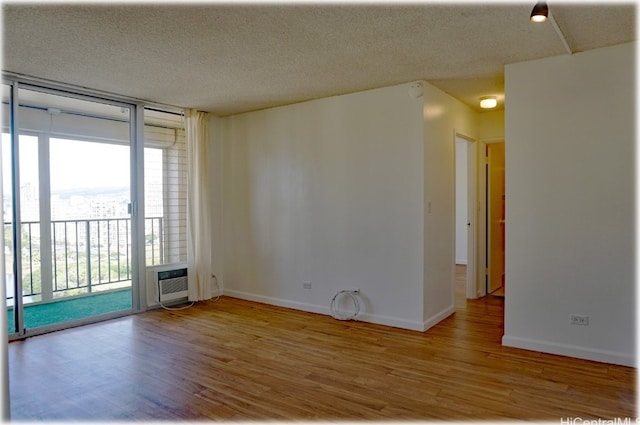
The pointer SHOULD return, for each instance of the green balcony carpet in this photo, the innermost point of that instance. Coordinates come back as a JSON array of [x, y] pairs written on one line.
[[72, 309]]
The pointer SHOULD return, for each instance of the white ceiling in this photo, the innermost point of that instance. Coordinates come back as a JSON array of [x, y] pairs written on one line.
[[227, 58]]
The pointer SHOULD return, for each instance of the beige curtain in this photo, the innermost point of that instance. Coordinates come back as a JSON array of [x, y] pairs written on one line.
[[199, 235]]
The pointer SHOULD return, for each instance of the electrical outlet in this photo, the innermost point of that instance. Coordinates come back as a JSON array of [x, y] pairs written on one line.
[[577, 319], [306, 284]]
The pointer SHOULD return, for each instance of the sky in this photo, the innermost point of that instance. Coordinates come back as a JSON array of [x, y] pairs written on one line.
[[77, 164], [73, 164]]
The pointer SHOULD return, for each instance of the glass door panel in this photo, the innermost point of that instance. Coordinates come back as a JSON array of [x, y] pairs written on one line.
[[165, 187], [6, 255], [74, 197], [90, 220]]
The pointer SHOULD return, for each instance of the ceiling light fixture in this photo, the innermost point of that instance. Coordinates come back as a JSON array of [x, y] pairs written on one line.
[[488, 102], [540, 12]]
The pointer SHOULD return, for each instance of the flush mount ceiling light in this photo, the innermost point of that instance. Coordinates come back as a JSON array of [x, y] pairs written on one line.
[[488, 102], [540, 12]]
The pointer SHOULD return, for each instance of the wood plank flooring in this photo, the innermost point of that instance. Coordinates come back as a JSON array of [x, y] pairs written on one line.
[[239, 360]]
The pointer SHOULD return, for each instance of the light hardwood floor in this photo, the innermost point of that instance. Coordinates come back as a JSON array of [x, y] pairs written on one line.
[[239, 360]]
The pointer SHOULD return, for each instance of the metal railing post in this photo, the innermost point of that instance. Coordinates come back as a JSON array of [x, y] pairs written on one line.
[[87, 250], [161, 238]]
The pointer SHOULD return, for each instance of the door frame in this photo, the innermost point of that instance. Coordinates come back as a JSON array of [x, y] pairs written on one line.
[[136, 187], [483, 254]]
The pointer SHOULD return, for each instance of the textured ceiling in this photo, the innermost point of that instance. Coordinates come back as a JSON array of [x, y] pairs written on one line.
[[234, 57]]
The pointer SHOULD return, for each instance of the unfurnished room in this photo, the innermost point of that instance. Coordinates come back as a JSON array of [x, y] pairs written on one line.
[[319, 211]]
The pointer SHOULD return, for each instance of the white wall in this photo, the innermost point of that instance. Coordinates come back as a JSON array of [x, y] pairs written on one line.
[[444, 116], [570, 126], [328, 191], [461, 200], [491, 125]]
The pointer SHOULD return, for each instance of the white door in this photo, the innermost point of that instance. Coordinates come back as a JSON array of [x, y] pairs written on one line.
[[472, 218]]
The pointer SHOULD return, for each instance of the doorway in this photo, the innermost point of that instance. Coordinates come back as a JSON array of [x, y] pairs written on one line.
[[495, 203], [465, 211]]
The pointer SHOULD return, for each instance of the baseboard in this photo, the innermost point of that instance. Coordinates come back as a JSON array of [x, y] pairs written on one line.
[[461, 262], [586, 353], [391, 321], [313, 308], [280, 302], [438, 317]]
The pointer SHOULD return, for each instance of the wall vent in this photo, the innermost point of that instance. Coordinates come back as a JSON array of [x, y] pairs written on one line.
[[172, 284], [167, 282]]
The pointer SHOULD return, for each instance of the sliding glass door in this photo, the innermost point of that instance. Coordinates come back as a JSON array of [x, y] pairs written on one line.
[[6, 194], [67, 209]]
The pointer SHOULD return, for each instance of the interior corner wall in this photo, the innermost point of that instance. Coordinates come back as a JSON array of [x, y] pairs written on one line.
[[216, 167], [443, 116], [329, 192], [570, 220]]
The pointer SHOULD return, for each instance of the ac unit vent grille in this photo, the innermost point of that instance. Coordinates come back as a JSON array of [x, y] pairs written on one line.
[[172, 284]]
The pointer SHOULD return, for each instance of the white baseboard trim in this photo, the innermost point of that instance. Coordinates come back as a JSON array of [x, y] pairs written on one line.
[[568, 350], [391, 321], [313, 308], [280, 302], [461, 262], [438, 317]]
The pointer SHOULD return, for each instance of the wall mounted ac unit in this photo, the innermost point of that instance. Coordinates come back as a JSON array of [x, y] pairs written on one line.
[[167, 282]]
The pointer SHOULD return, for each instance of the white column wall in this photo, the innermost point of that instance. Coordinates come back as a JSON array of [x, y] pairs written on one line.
[[328, 191], [570, 126], [444, 116]]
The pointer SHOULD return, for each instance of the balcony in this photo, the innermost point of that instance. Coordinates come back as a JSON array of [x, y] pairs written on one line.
[[84, 269]]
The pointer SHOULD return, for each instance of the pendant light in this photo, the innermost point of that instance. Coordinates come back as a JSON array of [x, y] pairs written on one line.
[[540, 12]]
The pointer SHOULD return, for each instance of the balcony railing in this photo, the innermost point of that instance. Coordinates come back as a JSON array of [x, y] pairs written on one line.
[[83, 256]]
